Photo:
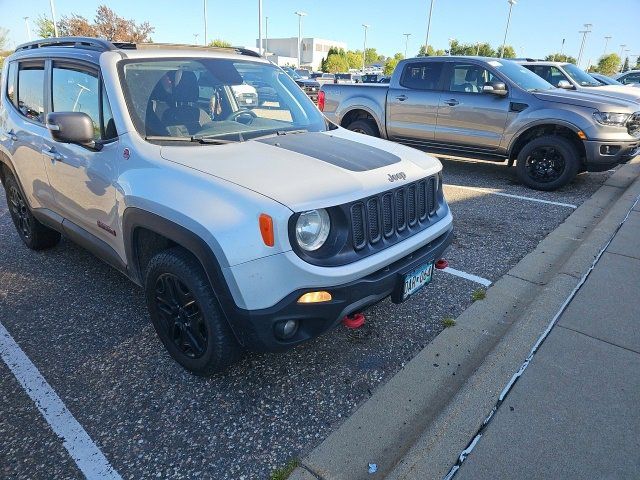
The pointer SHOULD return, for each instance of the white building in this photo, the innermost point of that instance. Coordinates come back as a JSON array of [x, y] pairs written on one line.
[[284, 51]]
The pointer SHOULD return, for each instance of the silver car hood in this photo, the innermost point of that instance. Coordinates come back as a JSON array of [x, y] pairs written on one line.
[[616, 91], [588, 100], [309, 170]]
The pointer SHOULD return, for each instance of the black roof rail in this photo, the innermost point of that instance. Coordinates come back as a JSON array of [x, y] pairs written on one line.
[[102, 45], [87, 43]]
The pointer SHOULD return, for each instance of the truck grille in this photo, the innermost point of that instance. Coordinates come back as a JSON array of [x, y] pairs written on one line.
[[312, 92], [633, 125], [389, 214]]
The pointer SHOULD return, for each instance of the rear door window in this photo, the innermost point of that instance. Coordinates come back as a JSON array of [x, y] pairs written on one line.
[[421, 75], [31, 90]]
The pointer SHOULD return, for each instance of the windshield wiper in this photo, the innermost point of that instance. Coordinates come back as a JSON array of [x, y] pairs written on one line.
[[192, 139], [281, 132]]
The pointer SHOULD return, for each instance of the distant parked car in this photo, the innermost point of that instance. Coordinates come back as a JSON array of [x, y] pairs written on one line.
[[604, 80], [568, 76], [370, 78], [310, 87], [246, 95], [344, 78], [303, 72], [628, 78], [385, 80]]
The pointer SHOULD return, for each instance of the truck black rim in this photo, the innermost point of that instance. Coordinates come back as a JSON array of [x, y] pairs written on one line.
[[181, 316], [545, 164], [20, 212]]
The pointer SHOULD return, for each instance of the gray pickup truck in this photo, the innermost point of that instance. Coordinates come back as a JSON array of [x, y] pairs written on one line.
[[492, 109]]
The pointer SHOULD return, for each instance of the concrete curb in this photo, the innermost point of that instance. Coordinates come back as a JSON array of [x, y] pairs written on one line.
[[416, 424]]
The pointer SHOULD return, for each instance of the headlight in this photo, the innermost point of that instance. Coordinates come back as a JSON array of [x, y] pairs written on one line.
[[610, 118], [312, 229]]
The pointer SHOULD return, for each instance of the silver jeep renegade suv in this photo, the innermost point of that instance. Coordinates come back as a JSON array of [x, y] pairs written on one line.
[[247, 228]]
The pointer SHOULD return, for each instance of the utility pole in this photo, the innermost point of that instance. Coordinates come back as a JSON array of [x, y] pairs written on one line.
[[195, 38], [506, 30], [426, 45], [205, 21], [406, 43], [300, 15], [364, 51], [266, 34], [584, 33], [478, 49], [260, 49], [53, 17], [26, 22], [606, 42]]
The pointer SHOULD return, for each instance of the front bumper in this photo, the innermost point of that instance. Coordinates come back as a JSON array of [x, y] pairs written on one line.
[[603, 154], [255, 329]]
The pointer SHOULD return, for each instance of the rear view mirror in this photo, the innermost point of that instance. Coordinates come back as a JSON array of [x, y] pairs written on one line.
[[565, 84], [70, 127], [495, 88]]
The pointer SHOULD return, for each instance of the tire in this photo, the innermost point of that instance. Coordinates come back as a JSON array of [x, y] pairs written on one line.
[[186, 315], [548, 163], [366, 127], [34, 234]]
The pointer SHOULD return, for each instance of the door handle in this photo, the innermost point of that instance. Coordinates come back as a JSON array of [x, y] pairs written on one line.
[[452, 102], [402, 98], [12, 135], [52, 154]]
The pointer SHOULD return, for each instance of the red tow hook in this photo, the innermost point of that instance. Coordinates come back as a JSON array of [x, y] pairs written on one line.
[[441, 264], [353, 321]]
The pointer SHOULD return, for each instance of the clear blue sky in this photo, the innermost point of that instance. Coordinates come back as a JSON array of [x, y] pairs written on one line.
[[537, 26]]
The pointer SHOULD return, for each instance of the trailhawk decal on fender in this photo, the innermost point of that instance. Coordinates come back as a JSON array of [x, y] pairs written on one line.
[[397, 176], [337, 151]]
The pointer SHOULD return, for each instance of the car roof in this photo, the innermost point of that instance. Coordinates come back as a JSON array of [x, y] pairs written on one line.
[[544, 63], [90, 49]]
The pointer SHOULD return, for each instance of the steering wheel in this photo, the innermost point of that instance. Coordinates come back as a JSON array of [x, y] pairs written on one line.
[[248, 115]]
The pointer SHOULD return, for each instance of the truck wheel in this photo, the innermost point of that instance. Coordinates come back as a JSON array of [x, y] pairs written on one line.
[[548, 163], [367, 127], [34, 234], [186, 315]]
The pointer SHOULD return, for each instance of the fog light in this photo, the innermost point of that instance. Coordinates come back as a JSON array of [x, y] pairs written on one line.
[[286, 329], [315, 297]]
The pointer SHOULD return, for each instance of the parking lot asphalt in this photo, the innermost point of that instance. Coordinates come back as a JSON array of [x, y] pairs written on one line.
[[86, 329]]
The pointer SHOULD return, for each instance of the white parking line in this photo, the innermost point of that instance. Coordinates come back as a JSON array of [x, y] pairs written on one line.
[[509, 195], [90, 460], [467, 276]]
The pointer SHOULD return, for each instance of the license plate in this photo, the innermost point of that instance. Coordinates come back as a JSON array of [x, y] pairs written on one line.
[[416, 279]]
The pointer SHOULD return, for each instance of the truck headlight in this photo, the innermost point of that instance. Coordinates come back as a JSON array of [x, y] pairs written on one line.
[[312, 229], [611, 118]]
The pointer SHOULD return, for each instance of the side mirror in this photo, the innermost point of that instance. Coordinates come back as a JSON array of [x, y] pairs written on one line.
[[495, 88], [71, 127], [565, 84]]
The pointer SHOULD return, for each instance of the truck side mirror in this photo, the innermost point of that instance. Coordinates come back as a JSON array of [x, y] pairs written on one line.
[[495, 88], [565, 84]]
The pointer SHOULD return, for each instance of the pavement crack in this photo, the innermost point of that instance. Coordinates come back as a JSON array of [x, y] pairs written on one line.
[[308, 469], [600, 339]]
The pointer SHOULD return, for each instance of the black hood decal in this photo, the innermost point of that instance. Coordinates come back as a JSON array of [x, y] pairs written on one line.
[[337, 151]]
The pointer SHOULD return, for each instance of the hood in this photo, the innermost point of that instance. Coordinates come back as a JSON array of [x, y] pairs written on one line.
[[309, 170], [616, 91], [588, 100]]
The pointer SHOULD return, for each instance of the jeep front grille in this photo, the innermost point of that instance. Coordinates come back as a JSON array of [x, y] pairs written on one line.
[[633, 125], [386, 215]]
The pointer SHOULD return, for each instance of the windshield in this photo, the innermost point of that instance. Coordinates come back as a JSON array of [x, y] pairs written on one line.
[[604, 80], [525, 79], [581, 77], [214, 98]]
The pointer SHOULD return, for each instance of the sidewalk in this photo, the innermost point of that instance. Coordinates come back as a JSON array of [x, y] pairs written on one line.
[[574, 412]]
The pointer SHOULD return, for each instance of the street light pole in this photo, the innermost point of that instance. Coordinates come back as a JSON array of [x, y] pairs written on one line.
[[426, 45], [406, 43], [205, 21], [584, 33], [266, 34], [506, 30], [26, 22], [260, 50], [364, 51], [606, 42], [195, 38], [53, 17], [300, 15]]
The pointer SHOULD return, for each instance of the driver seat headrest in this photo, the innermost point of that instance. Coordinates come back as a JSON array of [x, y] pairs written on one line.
[[185, 88]]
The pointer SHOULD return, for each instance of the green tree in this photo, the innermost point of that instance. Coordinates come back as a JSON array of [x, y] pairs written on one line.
[[44, 27], [336, 63], [485, 50], [371, 56], [391, 63], [561, 57], [609, 64], [4, 38], [509, 52], [354, 58], [219, 43], [430, 52], [625, 67]]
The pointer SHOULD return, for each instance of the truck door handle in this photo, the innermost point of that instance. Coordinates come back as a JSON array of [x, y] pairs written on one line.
[[12, 135], [52, 154], [452, 102], [402, 98]]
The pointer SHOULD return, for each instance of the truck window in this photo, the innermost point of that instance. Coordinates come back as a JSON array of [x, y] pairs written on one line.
[[551, 74], [421, 75], [76, 90], [31, 91], [469, 78], [11, 83]]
